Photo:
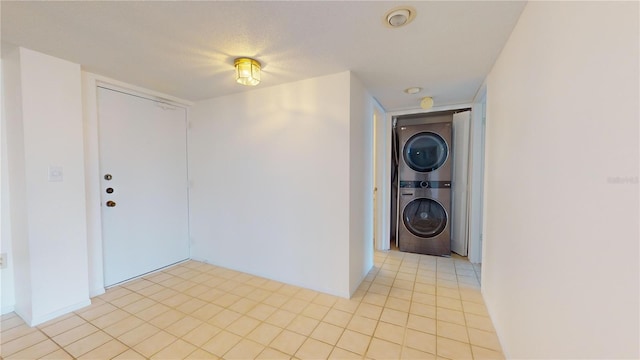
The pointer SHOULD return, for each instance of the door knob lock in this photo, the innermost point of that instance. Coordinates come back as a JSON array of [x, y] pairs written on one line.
[[111, 203]]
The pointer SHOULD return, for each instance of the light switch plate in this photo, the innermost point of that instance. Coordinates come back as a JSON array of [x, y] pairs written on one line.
[[55, 173]]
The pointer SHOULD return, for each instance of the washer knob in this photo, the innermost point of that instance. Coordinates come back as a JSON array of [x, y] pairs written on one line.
[[424, 184]]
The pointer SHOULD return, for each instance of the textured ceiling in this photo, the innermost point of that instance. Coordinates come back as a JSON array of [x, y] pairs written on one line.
[[186, 49]]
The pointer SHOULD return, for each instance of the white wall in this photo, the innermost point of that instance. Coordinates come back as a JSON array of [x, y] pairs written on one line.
[[270, 174], [560, 271], [18, 255], [48, 227], [360, 183], [7, 293]]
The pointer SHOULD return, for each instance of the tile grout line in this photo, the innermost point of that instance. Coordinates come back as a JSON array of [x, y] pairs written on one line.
[[464, 314], [178, 282]]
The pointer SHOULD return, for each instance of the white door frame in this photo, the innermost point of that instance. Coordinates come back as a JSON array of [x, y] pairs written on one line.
[[90, 84], [384, 169], [151, 188], [381, 206], [476, 183]]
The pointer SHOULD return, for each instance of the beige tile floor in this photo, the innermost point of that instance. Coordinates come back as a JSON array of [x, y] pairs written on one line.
[[408, 307]]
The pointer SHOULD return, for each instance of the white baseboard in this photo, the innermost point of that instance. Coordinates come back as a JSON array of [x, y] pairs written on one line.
[[7, 309], [96, 292], [44, 318]]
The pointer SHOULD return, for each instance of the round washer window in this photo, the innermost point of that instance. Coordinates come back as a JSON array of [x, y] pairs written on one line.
[[424, 217], [425, 152]]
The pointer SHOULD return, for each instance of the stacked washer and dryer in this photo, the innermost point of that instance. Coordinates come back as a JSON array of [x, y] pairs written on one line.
[[424, 194]]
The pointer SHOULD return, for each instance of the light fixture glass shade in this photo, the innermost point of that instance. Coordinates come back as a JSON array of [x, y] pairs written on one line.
[[398, 17], [426, 102], [412, 90], [247, 71]]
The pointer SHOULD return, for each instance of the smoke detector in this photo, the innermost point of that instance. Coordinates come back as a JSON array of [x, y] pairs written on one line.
[[399, 16]]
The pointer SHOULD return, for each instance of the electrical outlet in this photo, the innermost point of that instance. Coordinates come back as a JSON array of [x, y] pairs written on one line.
[[3, 260]]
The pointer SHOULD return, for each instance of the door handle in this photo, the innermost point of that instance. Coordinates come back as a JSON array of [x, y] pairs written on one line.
[[111, 203]]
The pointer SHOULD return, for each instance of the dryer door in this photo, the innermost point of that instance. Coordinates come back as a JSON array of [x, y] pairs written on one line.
[[425, 217], [425, 152]]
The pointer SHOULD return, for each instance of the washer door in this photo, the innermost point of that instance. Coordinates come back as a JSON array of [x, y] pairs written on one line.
[[424, 217], [425, 152]]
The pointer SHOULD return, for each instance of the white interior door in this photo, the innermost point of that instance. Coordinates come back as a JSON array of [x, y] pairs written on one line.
[[143, 164], [460, 228]]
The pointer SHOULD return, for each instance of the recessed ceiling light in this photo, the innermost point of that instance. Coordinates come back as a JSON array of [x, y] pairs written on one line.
[[413, 90], [399, 16]]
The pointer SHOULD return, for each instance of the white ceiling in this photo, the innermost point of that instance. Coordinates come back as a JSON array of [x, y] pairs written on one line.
[[186, 49]]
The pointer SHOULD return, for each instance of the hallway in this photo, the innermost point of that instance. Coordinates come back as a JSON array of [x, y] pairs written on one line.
[[409, 306]]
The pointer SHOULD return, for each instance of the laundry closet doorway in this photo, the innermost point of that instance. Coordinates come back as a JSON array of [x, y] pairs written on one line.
[[143, 184]]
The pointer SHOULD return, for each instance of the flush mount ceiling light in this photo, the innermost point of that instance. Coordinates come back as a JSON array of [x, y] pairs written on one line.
[[426, 102], [399, 16], [412, 90], [247, 71]]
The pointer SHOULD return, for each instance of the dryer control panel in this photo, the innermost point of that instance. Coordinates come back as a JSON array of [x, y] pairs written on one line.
[[425, 184]]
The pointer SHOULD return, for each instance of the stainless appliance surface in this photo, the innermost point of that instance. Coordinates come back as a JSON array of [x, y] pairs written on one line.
[[424, 188], [424, 226], [425, 152]]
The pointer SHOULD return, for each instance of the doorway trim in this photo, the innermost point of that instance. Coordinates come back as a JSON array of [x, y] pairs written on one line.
[[384, 191], [90, 83], [476, 178], [381, 226]]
